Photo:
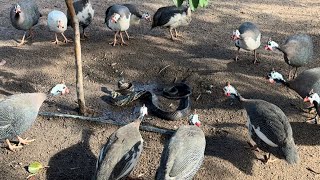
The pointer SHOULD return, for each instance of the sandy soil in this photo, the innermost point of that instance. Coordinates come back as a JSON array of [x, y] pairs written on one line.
[[70, 147]]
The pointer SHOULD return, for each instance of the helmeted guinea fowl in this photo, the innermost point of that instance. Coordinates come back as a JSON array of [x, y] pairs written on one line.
[[268, 127], [118, 20], [248, 38], [297, 51], [18, 112], [24, 15], [136, 16], [84, 12], [121, 153], [184, 153], [57, 23], [314, 99], [172, 17]]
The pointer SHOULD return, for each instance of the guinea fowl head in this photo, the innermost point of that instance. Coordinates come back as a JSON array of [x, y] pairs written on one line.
[[235, 35], [274, 76], [17, 9], [194, 119], [271, 45], [230, 91], [115, 17], [312, 98], [146, 16], [59, 89]]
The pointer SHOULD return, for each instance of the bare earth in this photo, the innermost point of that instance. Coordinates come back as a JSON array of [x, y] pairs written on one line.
[[205, 52]]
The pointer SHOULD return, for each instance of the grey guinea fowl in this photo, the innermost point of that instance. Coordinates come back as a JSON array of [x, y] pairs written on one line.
[[18, 113], [268, 127], [248, 38], [172, 17], [84, 12], [314, 100], [118, 20], [121, 153], [184, 154], [57, 23], [297, 51], [24, 15], [136, 16]]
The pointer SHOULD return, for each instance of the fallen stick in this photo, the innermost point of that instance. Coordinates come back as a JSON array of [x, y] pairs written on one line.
[[104, 120], [163, 68]]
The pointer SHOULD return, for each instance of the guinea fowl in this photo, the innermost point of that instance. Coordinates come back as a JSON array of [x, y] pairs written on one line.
[[302, 84], [84, 12], [172, 17], [24, 15], [184, 153], [314, 99], [57, 22], [247, 37], [121, 153], [118, 20], [18, 112], [297, 51], [136, 16], [268, 127]]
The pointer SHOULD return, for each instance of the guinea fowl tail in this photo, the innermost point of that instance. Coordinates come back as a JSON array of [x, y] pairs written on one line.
[[290, 151]]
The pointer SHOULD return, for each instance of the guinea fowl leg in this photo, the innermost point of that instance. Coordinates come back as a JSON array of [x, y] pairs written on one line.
[[176, 33], [127, 35], [172, 37], [267, 158], [24, 141], [12, 147], [84, 35], [31, 34], [57, 40], [237, 55], [22, 40], [122, 41], [255, 57], [313, 120], [114, 42], [65, 39]]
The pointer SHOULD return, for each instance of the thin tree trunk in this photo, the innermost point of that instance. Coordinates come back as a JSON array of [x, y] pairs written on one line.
[[77, 50]]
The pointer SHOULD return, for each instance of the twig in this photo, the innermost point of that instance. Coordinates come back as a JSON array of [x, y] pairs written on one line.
[[308, 168], [198, 97], [164, 68], [105, 120]]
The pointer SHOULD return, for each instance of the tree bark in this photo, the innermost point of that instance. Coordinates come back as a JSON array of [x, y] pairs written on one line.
[[77, 50]]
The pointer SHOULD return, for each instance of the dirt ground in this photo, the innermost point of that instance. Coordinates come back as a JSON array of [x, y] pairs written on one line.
[[205, 52]]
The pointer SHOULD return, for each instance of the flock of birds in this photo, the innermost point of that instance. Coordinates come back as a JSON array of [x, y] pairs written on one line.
[[268, 126]]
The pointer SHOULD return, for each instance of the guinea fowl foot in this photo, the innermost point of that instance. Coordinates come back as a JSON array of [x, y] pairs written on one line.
[[12, 147], [113, 43], [24, 141], [66, 40], [267, 158], [253, 147], [312, 120]]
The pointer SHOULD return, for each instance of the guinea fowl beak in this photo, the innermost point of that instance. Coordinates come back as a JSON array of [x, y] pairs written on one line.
[[306, 99], [266, 47], [228, 94], [66, 91], [198, 124], [271, 80]]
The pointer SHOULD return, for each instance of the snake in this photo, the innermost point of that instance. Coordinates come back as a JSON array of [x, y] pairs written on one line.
[[178, 91]]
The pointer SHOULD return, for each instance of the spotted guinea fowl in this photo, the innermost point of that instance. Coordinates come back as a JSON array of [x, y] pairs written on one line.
[[268, 127], [297, 51], [172, 17], [121, 153], [314, 99], [248, 38], [184, 153], [84, 12], [118, 20], [136, 16], [24, 15], [18, 112], [57, 23]]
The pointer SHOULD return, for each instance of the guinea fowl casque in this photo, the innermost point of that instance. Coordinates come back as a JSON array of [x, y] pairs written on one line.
[[24, 15], [184, 153], [268, 127], [118, 20], [247, 37], [84, 12], [136, 16], [18, 113], [121, 153], [297, 51], [57, 23], [314, 100], [172, 17]]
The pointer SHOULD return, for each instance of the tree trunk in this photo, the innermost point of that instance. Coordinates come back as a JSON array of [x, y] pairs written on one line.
[[77, 50]]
